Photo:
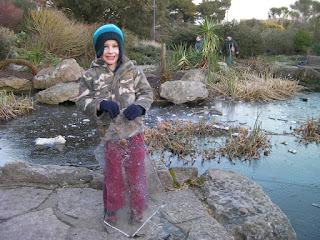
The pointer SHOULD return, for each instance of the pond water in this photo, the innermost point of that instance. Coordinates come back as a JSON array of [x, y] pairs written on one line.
[[292, 181]]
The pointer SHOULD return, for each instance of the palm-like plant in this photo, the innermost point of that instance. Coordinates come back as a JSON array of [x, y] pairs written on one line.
[[185, 57]]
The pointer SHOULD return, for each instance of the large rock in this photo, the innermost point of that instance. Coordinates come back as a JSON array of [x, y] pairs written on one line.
[[15, 84], [286, 72], [59, 93], [183, 91], [226, 205], [309, 78], [195, 75], [66, 71], [223, 67], [241, 206], [20, 171]]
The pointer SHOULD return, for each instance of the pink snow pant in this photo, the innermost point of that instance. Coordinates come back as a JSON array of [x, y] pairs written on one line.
[[124, 176]]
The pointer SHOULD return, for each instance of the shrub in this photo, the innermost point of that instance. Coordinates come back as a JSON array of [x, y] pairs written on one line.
[[6, 38], [250, 42], [130, 40], [181, 34], [272, 25], [145, 54], [59, 35], [10, 15], [248, 36], [279, 42], [316, 48], [302, 40]]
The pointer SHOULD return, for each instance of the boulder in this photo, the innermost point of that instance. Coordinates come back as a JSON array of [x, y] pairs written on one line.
[[149, 70], [66, 71], [223, 66], [309, 78], [15, 84], [183, 91], [195, 75], [241, 206], [59, 93], [20, 171], [286, 72]]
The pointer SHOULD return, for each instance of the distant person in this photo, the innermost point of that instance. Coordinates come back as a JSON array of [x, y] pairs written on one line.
[[230, 47], [199, 43]]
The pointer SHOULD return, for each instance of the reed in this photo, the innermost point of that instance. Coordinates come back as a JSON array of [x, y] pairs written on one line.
[[241, 85], [182, 138], [309, 130], [247, 145], [189, 140], [12, 106]]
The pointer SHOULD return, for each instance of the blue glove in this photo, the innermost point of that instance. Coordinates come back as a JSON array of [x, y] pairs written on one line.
[[133, 111], [111, 107]]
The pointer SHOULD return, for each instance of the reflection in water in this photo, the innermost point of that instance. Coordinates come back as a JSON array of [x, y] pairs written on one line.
[[291, 180]]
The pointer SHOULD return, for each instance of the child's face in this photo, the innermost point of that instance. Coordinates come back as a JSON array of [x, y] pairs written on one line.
[[111, 53]]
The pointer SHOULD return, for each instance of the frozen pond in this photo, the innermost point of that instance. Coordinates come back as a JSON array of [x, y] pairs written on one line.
[[292, 181]]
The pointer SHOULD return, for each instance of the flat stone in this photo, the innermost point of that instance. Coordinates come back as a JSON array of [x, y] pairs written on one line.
[[20, 171], [182, 206], [85, 234], [15, 84], [81, 203], [11, 204], [34, 225], [182, 174], [186, 211], [208, 228]]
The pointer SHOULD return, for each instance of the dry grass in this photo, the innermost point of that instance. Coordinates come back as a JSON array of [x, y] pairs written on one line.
[[188, 140], [150, 42], [58, 34], [309, 130], [180, 138], [11, 106], [247, 144], [251, 87]]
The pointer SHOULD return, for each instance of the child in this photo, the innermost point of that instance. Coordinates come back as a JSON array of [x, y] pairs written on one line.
[[113, 85]]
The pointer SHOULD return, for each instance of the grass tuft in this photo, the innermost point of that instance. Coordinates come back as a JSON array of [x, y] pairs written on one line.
[[12, 106], [241, 85], [309, 130]]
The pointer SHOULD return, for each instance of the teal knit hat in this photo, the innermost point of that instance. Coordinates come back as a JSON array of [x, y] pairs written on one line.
[[105, 33]]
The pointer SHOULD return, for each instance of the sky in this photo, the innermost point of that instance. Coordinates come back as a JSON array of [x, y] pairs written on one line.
[[248, 9]]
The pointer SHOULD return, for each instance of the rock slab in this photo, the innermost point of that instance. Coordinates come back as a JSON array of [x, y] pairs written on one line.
[[225, 205], [241, 206], [15, 84], [59, 93]]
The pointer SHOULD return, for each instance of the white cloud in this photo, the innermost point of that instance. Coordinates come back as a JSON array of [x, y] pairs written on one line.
[[248, 9]]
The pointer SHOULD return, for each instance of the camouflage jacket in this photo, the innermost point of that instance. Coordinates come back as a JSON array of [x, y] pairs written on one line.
[[128, 85]]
